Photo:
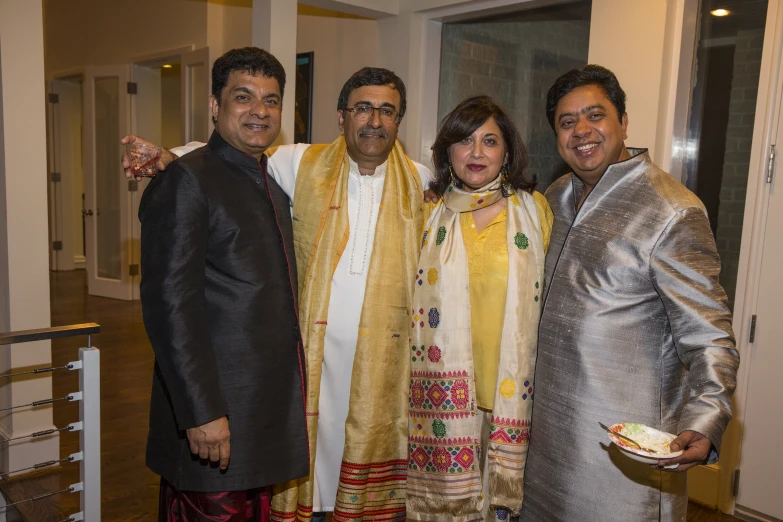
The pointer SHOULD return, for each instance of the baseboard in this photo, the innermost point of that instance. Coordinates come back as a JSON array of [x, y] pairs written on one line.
[[79, 262], [703, 485], [751, 515]]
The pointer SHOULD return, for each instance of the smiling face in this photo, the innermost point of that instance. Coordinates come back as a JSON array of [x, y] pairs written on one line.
[[477, 159], [590, 136], [370, 142], [248, 115]]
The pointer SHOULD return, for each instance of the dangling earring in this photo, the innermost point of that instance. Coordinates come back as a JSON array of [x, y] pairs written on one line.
[[454, 178], [505, 184]]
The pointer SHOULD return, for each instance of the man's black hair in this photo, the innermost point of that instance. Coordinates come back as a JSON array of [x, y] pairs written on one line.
[[587, 75], [372, 76], [251, 60]]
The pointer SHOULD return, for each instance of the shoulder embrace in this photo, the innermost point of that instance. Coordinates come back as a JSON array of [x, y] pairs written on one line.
[[181, 177], [424, 173]]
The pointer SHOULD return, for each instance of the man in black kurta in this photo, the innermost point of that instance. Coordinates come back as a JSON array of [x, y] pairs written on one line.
[[218, 294]]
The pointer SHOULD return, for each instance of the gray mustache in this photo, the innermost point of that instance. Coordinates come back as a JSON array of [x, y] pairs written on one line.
[[373, 132]]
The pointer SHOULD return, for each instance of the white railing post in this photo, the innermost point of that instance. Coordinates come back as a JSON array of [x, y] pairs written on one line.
[[90, 435]]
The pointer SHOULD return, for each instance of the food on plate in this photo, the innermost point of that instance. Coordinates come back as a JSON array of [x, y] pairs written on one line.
[[646, 436]]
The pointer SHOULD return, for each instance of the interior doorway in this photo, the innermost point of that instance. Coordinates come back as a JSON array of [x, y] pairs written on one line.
[[65, 126], [93, 209]]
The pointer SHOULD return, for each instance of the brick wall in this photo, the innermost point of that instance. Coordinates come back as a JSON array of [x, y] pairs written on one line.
[[515, 63], [739, 133]]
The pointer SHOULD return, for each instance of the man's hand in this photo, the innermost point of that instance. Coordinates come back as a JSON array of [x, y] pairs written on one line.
[[430, 196], [211, 441], [166, 157], [696, 451]]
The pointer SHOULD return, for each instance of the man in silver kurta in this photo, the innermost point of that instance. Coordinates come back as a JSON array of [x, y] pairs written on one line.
[[634, 328]]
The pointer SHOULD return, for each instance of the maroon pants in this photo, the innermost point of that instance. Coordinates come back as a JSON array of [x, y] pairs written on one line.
[[251, 505]]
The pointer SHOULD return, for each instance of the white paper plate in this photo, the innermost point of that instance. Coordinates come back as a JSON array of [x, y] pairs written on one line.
[[646, 436]]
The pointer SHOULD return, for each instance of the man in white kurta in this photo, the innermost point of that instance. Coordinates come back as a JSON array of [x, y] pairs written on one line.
[[365, 190]]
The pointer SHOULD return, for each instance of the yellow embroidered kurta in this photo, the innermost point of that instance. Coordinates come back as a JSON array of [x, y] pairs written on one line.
[[488, 272]]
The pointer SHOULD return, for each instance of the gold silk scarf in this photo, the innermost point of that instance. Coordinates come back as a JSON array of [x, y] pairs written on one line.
[[444, 476], [373, 471]]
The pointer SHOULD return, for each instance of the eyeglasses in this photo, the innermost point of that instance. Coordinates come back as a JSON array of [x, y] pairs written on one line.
[[363, 113]]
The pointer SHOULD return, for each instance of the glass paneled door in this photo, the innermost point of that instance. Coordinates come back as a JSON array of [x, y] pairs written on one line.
[[107, 199]]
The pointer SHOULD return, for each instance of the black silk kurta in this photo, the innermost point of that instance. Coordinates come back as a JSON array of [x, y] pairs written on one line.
[[217, 291], [634, 328]]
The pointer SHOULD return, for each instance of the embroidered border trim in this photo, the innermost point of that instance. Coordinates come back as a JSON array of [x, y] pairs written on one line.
[[457, 456], [439, 375], [509, 431], [301, 513], [443, 395], [442, 442], [374, 491], [440, 414], [512, 423]]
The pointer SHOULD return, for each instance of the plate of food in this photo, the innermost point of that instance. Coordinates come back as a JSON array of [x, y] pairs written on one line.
[[648, 438]]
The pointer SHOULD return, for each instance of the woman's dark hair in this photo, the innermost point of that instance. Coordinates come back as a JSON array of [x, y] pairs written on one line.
[[251, 60], [587, 75], [372, 76], [461, 123]]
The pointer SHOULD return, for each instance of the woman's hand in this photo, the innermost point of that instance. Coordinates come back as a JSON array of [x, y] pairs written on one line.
[[430, 196]]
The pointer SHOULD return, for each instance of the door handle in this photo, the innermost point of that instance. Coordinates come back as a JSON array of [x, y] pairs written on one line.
[[87, 212]]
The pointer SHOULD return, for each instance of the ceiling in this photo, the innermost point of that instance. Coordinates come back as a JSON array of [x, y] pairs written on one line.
[[744, 14]]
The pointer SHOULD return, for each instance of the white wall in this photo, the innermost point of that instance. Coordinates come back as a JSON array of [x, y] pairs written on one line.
[[342, 47], [635, 53], [229, 26], [24, 270], [101, 32]]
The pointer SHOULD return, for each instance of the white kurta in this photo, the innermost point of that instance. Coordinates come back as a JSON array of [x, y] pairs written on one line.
[[345, 308]]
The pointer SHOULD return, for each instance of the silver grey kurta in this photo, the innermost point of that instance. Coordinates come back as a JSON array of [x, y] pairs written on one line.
[[635, 328]]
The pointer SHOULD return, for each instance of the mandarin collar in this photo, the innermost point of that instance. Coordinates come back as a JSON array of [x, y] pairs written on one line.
[[233, 155], [614, 172], [616, 175]]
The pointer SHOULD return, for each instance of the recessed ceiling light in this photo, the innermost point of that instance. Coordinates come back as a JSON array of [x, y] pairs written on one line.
[[167, 66], [720, 12]]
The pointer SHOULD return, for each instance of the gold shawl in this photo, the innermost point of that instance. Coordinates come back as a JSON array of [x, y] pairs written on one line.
[[444, 476], [373, 471]]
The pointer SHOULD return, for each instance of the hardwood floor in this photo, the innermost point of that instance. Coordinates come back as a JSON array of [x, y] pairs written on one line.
[[129, 489]]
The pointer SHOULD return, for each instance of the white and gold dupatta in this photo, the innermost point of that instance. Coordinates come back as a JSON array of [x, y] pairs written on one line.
[[444, 477]]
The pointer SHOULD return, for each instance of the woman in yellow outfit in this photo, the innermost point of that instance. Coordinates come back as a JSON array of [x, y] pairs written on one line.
[[477, 302]]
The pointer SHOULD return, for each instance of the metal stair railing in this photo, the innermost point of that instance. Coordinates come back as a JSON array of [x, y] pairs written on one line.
[[88, 425]]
